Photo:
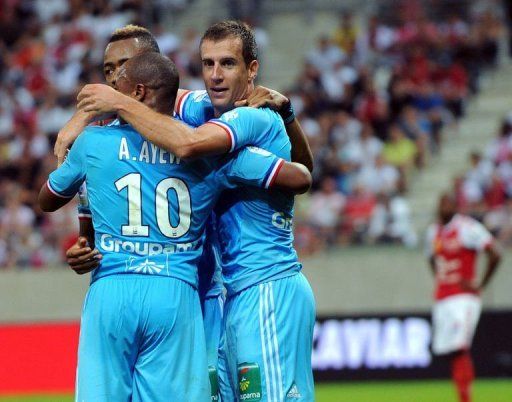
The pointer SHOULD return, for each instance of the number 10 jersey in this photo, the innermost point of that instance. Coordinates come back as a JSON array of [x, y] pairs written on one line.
[[149, 208]]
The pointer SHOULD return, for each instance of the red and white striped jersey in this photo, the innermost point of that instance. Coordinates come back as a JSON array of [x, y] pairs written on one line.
[[454, 247]]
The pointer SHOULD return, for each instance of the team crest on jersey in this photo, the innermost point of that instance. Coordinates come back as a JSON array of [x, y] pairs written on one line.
[[450, 244], [249, 382], [231, 115], [146, 267], [258, 151]]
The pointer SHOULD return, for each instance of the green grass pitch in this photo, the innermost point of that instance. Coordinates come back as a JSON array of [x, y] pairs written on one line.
[[410, 391]]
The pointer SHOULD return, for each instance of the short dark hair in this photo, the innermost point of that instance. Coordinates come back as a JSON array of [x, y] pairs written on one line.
[[156, 72], [230, 28], [146, 38]]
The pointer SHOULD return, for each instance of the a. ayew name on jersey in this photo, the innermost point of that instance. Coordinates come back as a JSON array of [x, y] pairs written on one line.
[[148, 153]]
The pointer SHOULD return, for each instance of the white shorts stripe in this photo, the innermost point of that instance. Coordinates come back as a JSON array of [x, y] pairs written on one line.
[[263, 342], [272, 379], [221, 305], [279, 383]]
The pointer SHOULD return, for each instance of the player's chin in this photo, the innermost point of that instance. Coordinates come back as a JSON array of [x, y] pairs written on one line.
[[222, 104]]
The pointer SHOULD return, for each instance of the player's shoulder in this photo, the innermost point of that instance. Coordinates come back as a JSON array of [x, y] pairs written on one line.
[[197, 96], [102, 134], [251, 114], [101, 130], [465, 221]]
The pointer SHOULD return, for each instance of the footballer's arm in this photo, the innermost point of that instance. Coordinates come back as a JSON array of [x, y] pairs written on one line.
[[163, 131], [80, 257], [493, 260], [69, 133], [301, 151], [293, 177], [266, 97], [72, 129], [50, 201]]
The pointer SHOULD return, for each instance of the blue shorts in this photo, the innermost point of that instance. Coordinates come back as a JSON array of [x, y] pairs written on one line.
[[268, 342], [212, 317], [141, 339]]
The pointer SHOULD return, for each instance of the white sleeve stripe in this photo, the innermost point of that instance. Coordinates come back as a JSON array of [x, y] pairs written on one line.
[[228, 130], [182, 103], [55, 192], [274, 172]]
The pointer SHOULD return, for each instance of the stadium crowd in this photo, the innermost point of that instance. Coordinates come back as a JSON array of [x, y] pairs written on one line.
[[375, 104], [48, 50], [372, 101], [484, 191]]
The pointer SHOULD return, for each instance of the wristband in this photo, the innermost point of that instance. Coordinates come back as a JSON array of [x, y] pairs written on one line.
[[287, 113]]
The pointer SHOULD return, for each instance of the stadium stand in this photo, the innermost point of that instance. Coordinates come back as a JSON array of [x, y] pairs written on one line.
[[375, 98]]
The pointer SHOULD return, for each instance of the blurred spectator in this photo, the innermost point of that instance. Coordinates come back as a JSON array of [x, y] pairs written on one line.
[[391, 222], [481, 170], [357, 214], [415, 129], [485, 190], [325, 211], [400, 152], [346, 34], [380, 178], [326, 55]]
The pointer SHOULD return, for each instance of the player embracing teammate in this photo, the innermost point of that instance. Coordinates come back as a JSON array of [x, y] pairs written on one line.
[[453, 244], [269, 315]]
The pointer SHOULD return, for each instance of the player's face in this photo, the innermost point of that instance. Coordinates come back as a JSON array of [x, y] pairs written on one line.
[[122, 83], [226, 76], [446, 208], [116, 54]]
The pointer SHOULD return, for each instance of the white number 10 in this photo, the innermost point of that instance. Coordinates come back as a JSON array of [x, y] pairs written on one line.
[[135, 227]]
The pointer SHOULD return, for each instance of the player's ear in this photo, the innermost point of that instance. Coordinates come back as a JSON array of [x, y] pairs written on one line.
[[139, 92], [253, 70]]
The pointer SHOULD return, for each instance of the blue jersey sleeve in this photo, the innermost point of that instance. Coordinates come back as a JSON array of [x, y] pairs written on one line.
[[244, 126], [250, 166], [194, 108], [67, 179]]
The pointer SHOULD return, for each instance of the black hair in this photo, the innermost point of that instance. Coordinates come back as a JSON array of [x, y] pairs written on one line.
[[146, 38], [231, 28], [156, 72]]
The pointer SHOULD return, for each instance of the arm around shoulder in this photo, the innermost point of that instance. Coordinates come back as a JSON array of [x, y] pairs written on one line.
[[293, 177]]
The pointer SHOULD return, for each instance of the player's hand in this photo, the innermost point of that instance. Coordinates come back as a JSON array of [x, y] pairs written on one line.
[[98, 99], [69, 133], [470, 286], [264, 97], [81, 258]]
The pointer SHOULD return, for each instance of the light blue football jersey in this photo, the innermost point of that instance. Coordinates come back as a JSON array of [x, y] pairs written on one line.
[[210, 273], [210, 276], [195, 108], [254, 227], [149, 208]]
